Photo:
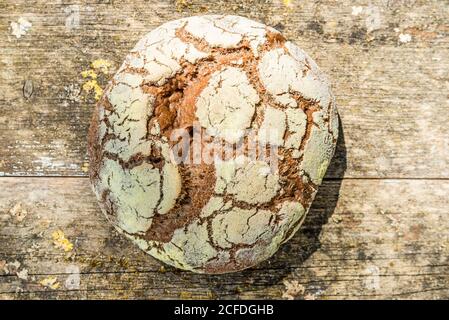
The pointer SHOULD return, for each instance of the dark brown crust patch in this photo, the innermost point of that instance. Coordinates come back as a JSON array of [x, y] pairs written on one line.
[[197, 186]]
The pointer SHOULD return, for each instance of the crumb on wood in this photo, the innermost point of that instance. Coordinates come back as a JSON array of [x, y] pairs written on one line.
[[309, 297], [34, 246], [101, 65], [98, 67], [356, 10], [123, 262], [60, 241], [419, 32]]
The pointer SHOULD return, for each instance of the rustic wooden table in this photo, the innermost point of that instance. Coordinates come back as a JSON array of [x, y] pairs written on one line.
[[379, 227]]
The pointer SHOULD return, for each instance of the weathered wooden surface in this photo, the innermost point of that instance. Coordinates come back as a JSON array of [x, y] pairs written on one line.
[[386, 238], [379, 226]]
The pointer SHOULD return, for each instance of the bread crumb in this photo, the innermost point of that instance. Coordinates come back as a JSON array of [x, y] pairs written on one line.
[[60, 241], [71, 93], [181, 4], [28, 88], [162, 269], [292, 289], [405, 38], [101, 65], [98, 66], [92, 85], [356, 11], [20, 28], [185, 295], [50, 282], [288, 3]]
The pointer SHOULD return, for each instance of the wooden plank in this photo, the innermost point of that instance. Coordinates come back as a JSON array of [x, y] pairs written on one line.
[[383, 238], [392, 96]]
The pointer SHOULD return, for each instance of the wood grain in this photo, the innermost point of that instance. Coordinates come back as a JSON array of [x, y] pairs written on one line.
[[378, 228], [385, 239], [392, 97]]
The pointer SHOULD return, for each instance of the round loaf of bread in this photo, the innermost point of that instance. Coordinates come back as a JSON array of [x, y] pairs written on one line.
[[209, 143]]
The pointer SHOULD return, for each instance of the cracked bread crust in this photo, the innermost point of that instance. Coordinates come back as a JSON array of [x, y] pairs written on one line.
[[229, 74]]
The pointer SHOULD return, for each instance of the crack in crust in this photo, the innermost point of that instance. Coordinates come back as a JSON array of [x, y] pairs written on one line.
[[175, 106], [188, 205]]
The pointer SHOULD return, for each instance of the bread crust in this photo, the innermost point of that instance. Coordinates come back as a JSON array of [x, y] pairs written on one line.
[[218, 77]]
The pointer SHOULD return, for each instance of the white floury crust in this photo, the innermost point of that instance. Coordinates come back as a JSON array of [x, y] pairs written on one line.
[[229, 74]]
